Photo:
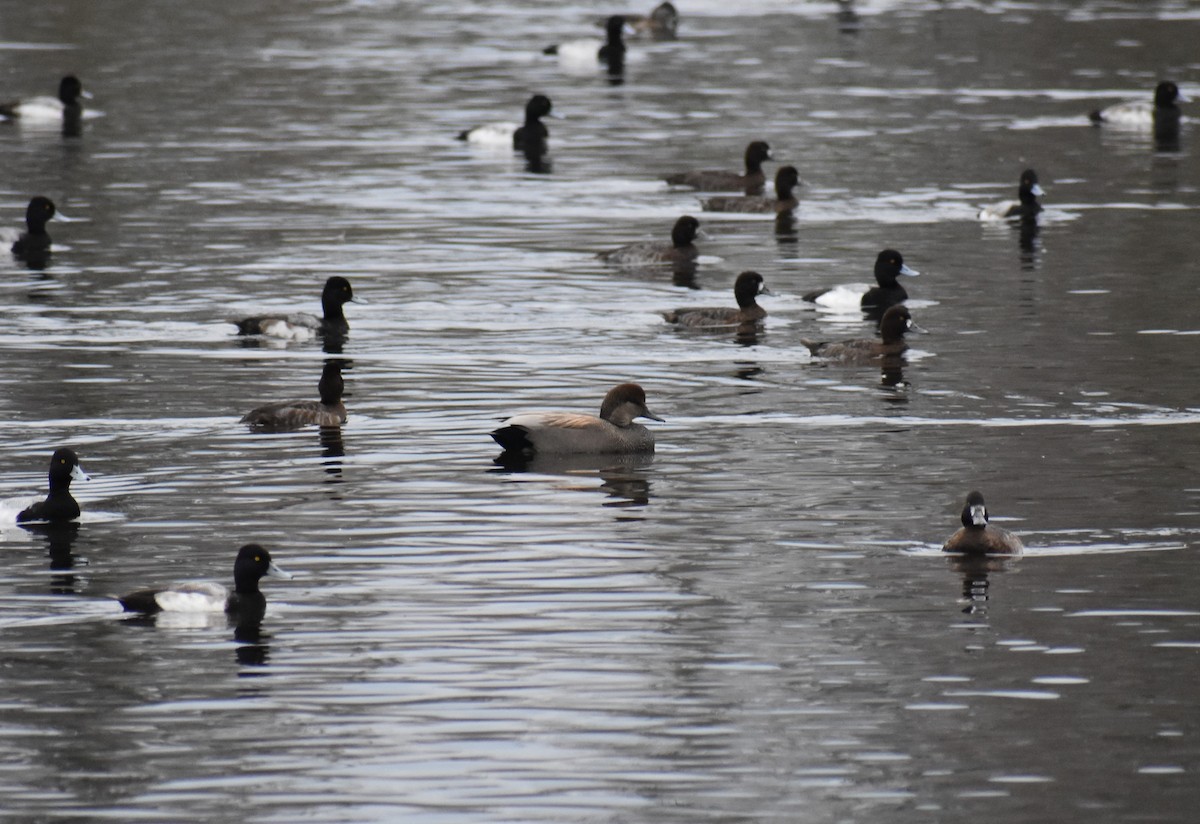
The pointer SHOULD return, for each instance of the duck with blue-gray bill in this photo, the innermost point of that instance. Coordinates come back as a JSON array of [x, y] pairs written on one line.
[[529, 135], [611, 51], [1163, 114], [302, 325], [1025, 207], [786, 181], [289, 415], [895, 322], [253, 563], [750, 182], [889, 266], [59, 506], [977, 536], [35, 240], [746, 289], [47, 109], [681, 249]]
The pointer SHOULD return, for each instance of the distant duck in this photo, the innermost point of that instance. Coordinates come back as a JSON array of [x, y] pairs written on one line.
[[1026, 205], [288, 415], [253, 563], [34, 241], [1163, 115], [59, 506], [660, 24], [681, 249], [895, 322], [510, 135], [301, 325], [566, 433], [747, 287], [889, 265], [750, 182], [786, 179], [978, 537], [592, 51], [47, 109]]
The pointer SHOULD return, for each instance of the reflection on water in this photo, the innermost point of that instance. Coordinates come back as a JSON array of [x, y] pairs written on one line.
[[726, 629]]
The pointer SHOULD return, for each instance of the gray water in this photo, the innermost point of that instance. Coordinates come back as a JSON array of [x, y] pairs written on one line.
[[756, 624]]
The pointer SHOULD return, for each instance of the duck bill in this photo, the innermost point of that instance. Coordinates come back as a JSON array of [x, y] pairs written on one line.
[[357, 299], [919, 330], [1037, 190], [904, 270], [979, 515], [274, 571], [646, 413], [77, 474]]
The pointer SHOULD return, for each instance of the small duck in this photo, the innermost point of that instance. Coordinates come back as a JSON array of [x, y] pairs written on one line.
[[288, 415], [509, 135], [567, 433], [889, 265], [978, 537], [1164, 114], [681, 249], [46, 108], [252, 565], [660, 24], [1026, 205], [747, 287], [750, 182], [34, 241], [59, 507], [590, 50], [301, 325], [786, 179], [895, 322]]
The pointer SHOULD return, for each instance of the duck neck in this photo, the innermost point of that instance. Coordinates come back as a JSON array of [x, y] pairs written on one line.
[[332, 309]]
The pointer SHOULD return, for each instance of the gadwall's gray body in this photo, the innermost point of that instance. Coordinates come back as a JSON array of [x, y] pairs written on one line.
[[564, 433]]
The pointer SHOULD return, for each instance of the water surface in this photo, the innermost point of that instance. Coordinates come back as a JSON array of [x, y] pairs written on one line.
[[755, 624]]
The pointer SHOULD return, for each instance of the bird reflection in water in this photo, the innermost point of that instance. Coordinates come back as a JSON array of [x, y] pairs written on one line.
[[1027, 239], [332, 452], [747, 370], [615, 69], [787, 232], [848, 21], [537, 159], [621, 476], [891, 377], [976, 585], [253, 650], [60, 538]]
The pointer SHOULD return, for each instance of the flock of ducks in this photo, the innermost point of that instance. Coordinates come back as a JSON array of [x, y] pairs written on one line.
[[615, 429]]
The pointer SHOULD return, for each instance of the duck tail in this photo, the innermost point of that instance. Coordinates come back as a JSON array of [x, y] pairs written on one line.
[[513, 439]]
